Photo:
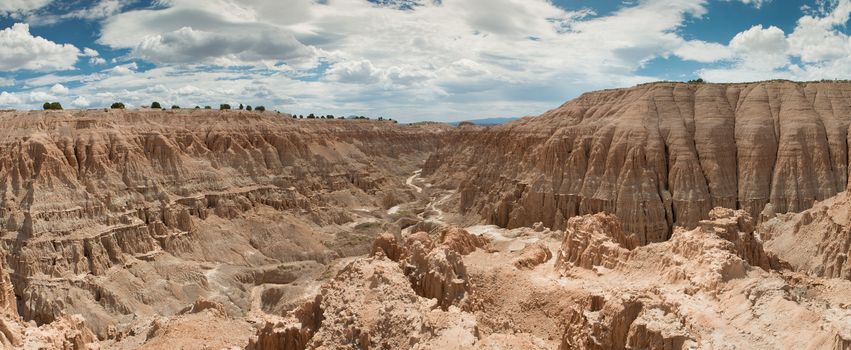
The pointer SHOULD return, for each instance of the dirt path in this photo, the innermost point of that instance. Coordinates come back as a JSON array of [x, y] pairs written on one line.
[[410, 181]]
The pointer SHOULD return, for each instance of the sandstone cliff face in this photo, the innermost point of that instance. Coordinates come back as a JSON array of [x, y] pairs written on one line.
[[657, 155], [122, 213]]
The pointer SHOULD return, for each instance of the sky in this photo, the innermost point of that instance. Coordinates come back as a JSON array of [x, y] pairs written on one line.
[[411, 60]]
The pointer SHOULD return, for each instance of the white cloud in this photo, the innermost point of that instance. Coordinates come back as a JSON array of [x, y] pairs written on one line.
[[59, 89], [102, 9], [755, 3], [123, 69], [358, 72], [94, 56], [37, 97], [9, 99], [17, 7], [21, 50], [761, 48], [81, 102], [761, 40], [97, 11], [458, 58], [89, 52], [187, 45], [701, 51], [818, 40]]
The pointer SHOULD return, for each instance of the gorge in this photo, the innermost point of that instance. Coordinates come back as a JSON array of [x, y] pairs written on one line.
[[662, 216]]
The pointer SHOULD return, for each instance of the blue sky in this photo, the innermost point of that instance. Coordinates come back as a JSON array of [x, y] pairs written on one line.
[[406, 59]]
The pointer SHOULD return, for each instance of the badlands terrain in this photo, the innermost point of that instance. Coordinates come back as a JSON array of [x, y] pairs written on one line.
[[663, 216]]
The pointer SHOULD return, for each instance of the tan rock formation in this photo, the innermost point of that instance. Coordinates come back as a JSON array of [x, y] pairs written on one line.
[[737, 226], [656, 155], [624, 323], [461, 241], [116, 215], [686, 292], [370, 305], [816, 241], [595, 240], [533, 255]]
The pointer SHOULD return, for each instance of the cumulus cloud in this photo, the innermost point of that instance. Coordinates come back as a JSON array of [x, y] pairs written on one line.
[[187, 45], [359, 72], [59, 89], [761, 40], [818, 41], [81, 102], [9, 99], [123, 69], [89, 52], [21, 50]]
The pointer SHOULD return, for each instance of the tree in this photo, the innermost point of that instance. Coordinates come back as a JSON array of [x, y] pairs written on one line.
[[311, 116], [248, 108], [197, 107], [208, 107], [156, 105], [260, 109], [224, 106], [117, 105], [696, 81], [55, 106], [175, 107], [241, 107]]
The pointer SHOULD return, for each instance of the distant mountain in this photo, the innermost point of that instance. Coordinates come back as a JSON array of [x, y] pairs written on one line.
[[486, 121]]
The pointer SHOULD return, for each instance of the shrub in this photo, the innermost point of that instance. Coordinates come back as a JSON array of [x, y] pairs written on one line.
[[260, 109], [248, 108], [224, 106], [697, 81], [197, 107], [55, 106], [241, 107], [175, 107], [156, 105], [311, 116], [208, 107], [117, 105]]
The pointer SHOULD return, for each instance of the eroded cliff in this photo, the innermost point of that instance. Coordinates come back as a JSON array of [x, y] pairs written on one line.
[[116, 215], [656, 155]]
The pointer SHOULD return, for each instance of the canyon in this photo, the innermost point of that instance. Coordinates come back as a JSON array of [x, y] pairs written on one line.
[[662, 216]]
